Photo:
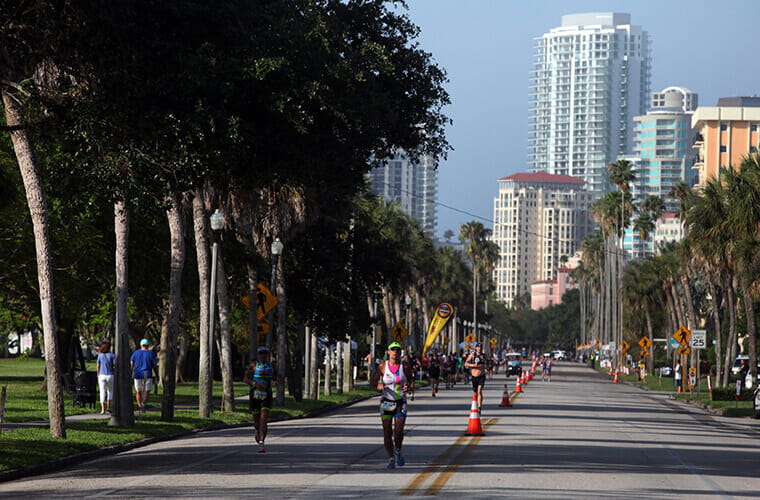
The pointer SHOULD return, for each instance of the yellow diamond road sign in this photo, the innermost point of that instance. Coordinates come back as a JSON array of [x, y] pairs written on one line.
[[645, 343], [470, 338], [683, 350], [682, 336], [625, 346], [399, 332]]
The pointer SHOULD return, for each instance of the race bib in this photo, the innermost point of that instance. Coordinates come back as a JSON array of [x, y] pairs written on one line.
[[387, 405], [259, 394]]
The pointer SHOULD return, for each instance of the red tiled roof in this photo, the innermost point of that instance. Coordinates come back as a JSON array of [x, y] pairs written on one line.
[[545, 282], [541, 177], [668, 216]]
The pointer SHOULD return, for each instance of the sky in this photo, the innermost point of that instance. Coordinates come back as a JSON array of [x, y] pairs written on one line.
[[486, 48]]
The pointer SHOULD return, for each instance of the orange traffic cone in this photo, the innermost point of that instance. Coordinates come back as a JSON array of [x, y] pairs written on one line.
[[610, 370], [518, 386], [505, 397], [615, 381], [473, 426]]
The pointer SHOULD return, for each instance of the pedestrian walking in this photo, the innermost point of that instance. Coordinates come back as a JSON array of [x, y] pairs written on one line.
[[144, 364], [105, 365], [394, 378]]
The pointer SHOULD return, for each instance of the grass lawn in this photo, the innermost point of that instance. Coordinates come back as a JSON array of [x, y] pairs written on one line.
[[26, 401], [667, 384]]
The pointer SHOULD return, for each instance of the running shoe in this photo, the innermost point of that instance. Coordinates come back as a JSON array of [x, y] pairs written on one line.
[[400, 460], [391, 464], [261, 447]]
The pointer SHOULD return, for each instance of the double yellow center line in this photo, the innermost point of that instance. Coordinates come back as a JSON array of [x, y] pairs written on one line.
[[442, 461]]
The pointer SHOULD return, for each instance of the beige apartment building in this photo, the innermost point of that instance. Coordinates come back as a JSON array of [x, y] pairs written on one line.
[[726, 133], [538, 218]]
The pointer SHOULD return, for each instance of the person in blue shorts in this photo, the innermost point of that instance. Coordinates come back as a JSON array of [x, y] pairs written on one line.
[[144, 364], [259, 376], [395, 378]]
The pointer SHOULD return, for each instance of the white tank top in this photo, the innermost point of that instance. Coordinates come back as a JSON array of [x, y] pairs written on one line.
[[393, 382]]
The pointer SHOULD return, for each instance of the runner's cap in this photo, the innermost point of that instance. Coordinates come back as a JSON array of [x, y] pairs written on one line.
[[395, 345], [263, 348], [144, 342]]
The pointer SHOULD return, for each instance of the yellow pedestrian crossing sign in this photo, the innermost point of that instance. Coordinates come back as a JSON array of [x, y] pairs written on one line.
[[470, 338], [398, 332], [265, 301], [682, 336], [625, 346], [645, 343]]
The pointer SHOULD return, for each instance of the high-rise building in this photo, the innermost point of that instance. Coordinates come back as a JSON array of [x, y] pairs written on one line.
[[591, 77], [413, 185], [663, 157], [725, 134], [538, 218]]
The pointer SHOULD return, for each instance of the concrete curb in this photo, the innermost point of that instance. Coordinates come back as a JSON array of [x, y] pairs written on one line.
[[78, 458]]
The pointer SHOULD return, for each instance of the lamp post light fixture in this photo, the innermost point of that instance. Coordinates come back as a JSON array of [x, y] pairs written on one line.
[[217, 225]]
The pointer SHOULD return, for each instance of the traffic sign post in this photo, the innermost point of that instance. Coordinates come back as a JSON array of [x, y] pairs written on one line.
[[698, 342]]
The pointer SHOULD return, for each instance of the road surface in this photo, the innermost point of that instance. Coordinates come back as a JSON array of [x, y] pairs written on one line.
[[579, 436]]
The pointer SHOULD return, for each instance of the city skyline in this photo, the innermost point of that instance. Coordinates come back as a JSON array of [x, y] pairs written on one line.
[[487, 51]]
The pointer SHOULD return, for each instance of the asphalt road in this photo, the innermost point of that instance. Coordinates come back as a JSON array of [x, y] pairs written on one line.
[[579, 436]]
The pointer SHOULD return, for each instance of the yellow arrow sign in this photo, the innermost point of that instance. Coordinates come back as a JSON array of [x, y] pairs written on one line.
[[645, 343], [625, 345], [263, 328], [683, 350], [644, 352]]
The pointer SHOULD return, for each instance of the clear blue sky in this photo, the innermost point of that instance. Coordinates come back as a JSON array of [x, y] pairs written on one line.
[[486, 47]]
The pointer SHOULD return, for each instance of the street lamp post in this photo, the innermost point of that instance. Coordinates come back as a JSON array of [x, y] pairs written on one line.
[[217, 225], [276, 249]]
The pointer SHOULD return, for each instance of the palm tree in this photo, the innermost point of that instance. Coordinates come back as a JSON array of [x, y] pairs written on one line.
[[475, 235]]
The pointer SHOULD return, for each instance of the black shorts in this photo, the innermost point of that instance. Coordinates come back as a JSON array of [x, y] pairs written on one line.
[[256, 405], [435, 373], [480, 380]]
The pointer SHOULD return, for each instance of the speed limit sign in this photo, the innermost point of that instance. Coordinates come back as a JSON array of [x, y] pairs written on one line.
[[698, 339]]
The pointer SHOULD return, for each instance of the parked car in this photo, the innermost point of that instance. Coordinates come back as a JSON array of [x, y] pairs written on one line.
[[665, 371], [514, 363], [560, 355]]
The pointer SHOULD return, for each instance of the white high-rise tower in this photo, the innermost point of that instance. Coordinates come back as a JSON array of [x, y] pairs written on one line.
[[413, 185], [591, 77]]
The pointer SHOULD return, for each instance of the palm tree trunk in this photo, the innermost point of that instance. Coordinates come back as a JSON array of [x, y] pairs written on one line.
[[36, 200], [730, 354], [169, 334], [313, 389], [388, 313], [650, 332], [123, 412], [244, 234], [225, 351], [749, 313], [201, 231], [282, 335], [716, 322]]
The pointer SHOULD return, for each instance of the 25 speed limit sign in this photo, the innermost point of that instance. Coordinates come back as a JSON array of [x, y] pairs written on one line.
[[698, 339]]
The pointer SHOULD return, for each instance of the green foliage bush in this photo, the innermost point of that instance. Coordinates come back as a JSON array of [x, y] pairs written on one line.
[[729, 394]]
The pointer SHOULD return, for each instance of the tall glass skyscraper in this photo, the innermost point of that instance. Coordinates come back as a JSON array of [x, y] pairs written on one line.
[[413, 185], [591, 77]]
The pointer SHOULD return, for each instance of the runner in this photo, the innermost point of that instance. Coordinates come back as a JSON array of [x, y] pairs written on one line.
[[434, 372], [476, 362], [448, 368], [546, 368], [394, 377], [259, 377], [414, 364]]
